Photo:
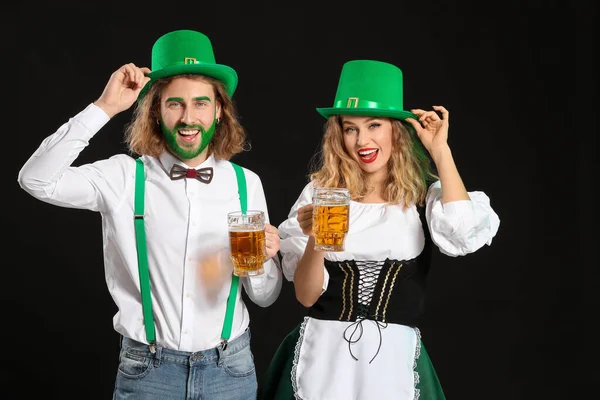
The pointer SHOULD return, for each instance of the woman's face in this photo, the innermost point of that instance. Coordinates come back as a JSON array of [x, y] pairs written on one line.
[[368, 140]]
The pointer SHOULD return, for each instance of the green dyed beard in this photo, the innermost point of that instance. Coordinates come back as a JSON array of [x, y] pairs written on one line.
[[187, 153]]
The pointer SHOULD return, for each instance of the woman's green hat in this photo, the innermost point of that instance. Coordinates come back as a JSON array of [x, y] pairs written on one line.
[[369, 88], [187, 52]]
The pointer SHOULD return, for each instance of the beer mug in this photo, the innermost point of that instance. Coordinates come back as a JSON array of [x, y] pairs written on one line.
[[330, 218], [247, 242]]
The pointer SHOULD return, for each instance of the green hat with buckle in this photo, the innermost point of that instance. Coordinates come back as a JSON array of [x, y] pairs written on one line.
[[369, 88], [187, 52]]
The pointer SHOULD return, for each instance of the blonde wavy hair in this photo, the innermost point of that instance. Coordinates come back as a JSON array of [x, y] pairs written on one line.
[[410, 168], [144, 136]]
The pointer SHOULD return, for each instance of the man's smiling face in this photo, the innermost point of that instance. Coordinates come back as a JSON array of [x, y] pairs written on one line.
[[188, 118]]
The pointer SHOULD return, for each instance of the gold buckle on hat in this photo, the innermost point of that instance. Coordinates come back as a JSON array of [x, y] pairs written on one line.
[[190, 60], [350, 100]]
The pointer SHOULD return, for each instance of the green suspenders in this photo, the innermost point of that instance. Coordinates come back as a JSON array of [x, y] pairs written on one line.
[[142, 252]]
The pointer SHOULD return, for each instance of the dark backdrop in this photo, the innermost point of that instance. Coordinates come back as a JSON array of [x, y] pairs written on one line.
[[519, 79]]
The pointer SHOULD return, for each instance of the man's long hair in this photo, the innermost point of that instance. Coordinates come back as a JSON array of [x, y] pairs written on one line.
[[144, 135], [410, 169]]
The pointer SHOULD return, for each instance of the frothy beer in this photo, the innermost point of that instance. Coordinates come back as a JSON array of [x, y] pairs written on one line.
[[247, 242], [247, 251], [330, 219]]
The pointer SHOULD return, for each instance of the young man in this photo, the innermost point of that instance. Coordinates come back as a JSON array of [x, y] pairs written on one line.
[[184, 326]]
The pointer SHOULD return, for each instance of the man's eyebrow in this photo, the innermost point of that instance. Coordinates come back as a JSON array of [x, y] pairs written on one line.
[[180, 99]]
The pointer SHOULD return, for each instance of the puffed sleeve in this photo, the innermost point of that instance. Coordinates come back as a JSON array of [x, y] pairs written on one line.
[[460, 227], [293, 241]]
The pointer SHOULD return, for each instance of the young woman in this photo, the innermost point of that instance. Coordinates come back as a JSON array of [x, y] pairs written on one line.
[[360, 339]]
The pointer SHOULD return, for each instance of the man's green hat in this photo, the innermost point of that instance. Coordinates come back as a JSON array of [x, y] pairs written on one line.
[[187, 52], [369, 88]]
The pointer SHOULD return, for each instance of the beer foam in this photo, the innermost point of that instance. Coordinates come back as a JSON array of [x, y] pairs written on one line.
[[244, 229], [330, 203]]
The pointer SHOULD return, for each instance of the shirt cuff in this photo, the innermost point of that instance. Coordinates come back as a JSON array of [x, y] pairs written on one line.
[[92, 118], [259, 282]]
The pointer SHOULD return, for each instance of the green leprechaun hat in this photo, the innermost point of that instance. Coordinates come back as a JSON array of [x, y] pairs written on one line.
[[187, 52], [369, 88]]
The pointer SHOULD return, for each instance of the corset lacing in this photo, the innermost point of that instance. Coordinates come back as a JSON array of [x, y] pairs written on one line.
[[368, 275]]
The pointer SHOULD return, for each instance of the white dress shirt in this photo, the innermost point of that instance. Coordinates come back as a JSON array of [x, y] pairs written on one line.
[[186, 231]]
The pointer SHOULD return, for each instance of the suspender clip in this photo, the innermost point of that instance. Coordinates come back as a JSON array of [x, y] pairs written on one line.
[[152, 347], [223, 344]]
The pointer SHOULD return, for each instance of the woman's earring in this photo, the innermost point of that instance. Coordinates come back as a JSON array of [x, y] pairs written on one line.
[[218, 120]]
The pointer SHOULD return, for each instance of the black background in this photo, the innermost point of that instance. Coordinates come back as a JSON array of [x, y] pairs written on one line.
[[519, 80]]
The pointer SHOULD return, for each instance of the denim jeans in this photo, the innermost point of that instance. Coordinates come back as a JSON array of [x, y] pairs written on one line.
[[211, 374]]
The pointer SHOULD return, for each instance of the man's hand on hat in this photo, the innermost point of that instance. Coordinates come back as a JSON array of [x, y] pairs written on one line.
[[122, 89], [431, 129]]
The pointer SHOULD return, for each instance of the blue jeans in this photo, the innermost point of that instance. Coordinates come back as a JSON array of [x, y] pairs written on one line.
[[211, 374]]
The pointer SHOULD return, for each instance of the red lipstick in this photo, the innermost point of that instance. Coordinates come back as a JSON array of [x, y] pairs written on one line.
[[367, 154]]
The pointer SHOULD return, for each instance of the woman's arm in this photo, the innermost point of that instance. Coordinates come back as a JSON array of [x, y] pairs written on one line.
[[309, 275], [433, 132], [453, 188]]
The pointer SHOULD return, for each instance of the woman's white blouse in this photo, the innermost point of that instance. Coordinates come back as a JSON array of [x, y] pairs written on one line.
[[380, 231]]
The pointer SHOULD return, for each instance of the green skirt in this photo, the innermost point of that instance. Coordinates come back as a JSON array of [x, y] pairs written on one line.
[[277, 382]]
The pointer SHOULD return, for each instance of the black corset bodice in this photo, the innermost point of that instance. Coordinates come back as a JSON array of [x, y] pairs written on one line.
[[388, 291], [396, 295]]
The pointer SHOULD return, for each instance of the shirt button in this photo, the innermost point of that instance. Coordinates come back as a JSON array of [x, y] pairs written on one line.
[[188, 294]]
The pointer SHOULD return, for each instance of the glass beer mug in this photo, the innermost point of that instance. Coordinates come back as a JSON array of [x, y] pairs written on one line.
[[247, 242], [330, 218]]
